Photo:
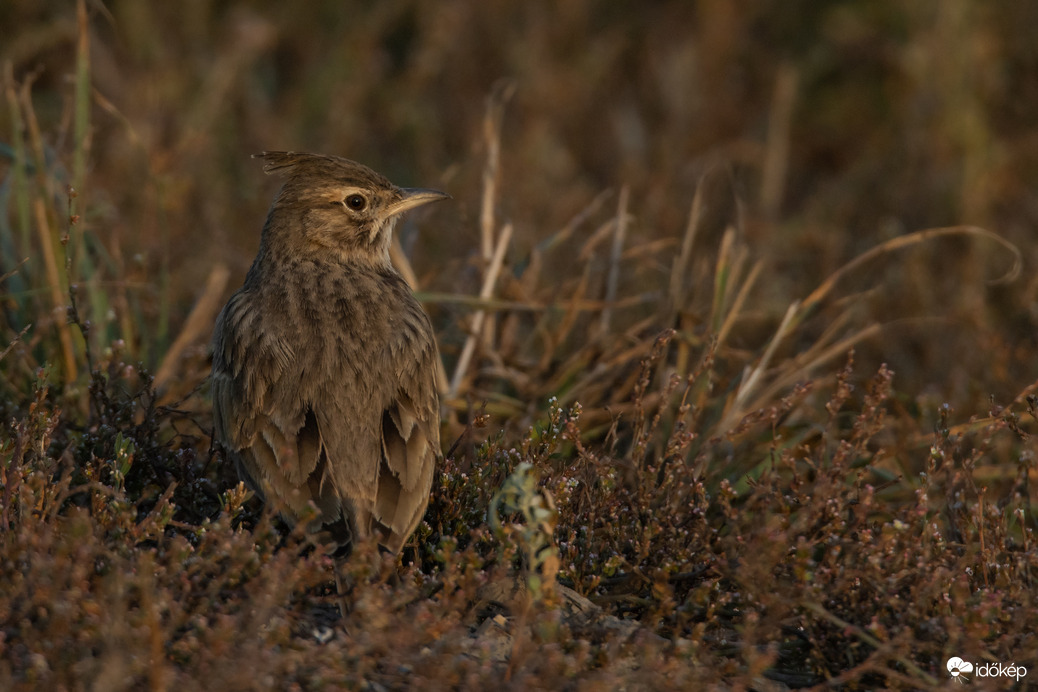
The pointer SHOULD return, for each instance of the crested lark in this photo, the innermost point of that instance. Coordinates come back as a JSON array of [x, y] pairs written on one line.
[[324, 362]]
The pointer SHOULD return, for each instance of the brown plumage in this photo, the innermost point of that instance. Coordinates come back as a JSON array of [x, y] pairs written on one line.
[[324, 362]]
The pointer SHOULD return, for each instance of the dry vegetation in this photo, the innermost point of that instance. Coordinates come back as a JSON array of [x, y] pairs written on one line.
[[736, 308]]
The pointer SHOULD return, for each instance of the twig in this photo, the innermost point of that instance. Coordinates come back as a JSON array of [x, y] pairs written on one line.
[[60, 310], [499, 96], [477, 320], [909, 240], [678, 291], [749, 383], [500, 93], [15, 340], [198, 323]]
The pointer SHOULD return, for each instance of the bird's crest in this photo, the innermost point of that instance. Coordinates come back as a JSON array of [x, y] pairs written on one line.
[[291, 163]]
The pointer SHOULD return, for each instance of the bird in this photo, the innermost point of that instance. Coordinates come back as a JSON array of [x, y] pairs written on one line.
[[324, 362]]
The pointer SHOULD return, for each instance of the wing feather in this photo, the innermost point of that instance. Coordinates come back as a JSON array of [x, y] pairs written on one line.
[[411, 445], [276, 446]]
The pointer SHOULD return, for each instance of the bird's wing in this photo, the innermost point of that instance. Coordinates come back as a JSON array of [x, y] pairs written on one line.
[[410, 447], [274, 439]]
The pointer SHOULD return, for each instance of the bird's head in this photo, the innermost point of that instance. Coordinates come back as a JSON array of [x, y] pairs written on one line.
[[329, 204]]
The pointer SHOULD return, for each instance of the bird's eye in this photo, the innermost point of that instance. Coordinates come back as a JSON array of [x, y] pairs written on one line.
[[356, 202]]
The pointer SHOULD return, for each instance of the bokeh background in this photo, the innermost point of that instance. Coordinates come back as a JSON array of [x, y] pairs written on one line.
[[827, 127]]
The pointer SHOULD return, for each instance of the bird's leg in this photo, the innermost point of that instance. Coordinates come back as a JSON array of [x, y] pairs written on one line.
[[343, 589]]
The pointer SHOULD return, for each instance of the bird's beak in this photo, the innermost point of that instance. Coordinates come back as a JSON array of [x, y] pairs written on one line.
[[411, 197]]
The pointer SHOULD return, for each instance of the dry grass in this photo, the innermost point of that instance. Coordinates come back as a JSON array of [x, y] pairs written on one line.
[[690, 247]]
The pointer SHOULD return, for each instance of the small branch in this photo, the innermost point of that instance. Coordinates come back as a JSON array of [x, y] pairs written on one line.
[[197, 325], [477, 321], [60, 309], [678, 290], [499, 96]]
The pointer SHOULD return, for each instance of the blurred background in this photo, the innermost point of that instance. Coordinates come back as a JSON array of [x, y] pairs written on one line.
[[814, 131]]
